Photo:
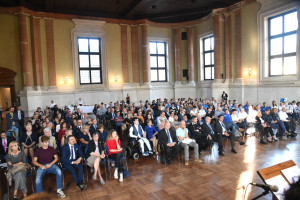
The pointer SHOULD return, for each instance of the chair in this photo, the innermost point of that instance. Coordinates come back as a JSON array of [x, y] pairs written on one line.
[[109, 161], [62, 168], [29, 174], [163, 157]]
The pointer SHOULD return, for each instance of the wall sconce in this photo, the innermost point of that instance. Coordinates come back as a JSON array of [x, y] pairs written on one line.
[[116, 78], [66, 80], [248, 71]]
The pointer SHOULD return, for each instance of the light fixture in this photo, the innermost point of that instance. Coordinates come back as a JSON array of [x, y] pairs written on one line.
[[248, 71], [66, 79], [116, 78]]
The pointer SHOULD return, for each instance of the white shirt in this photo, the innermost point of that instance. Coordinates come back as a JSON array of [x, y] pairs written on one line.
[[283, 116], [160, 118], [242, 115], [80, 102], [202, 113], [235, 118], [52, 105], [223, 127], [73, 151], [171, 119], [194, 112], [131, 134]]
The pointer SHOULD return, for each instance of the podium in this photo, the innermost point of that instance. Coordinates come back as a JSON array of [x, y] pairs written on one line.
[[275, 173]]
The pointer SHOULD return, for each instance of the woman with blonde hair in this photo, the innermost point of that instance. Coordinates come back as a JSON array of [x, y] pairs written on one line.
[[14, 158], [28, 141]]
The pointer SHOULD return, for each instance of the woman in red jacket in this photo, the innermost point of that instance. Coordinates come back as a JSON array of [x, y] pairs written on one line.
[[115, 152]]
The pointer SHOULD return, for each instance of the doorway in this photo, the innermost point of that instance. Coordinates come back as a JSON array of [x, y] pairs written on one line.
[[5, 98]]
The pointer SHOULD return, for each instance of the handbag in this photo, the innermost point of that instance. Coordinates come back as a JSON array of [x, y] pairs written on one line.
[[126, 173]]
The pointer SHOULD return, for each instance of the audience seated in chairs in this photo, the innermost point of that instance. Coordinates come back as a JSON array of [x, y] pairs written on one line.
[[16, 159], [288, 122], [169, 143], [263, 128], [185, 142], [64, 138], [5, 141], [52, 141], [220, 130], [28, 141], [136, 132], [95, 152], [84, 137], [45, 158], [197, 134], [71, 159], [151, 133], [93, 127], [12, 123], [282, 129], [102, 135], [113, 145]]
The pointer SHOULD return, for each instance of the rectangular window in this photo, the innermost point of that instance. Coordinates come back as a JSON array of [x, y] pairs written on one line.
[[89, 55], [282, 40], [208, 58], [158, 61]]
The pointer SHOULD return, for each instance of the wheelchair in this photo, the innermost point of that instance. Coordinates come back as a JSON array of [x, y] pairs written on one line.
[[134, 150]]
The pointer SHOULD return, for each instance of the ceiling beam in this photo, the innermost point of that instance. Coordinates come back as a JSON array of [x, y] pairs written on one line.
[[130, 9]]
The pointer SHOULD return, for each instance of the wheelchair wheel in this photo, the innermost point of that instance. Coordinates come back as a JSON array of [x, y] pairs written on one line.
[[136, 156], [129, 150]]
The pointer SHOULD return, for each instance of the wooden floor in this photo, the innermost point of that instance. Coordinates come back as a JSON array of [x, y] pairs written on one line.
[[216, 178]]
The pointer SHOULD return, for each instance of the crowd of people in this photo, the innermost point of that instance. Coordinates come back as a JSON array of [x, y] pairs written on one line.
[[73, 138]]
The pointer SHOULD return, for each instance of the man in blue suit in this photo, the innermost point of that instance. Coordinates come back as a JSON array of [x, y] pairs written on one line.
[[71, 158], [13, 122]]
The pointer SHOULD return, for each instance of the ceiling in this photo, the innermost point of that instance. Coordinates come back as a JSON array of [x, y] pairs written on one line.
[[164, 11]]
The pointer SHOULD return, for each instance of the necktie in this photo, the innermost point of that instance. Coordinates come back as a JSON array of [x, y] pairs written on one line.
[[223, 126], [72, 150], [169, 139], [4, 144], [211, 130], [95, 126]]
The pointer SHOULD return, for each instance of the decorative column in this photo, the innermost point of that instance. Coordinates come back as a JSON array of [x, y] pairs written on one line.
[[135, 53], [25, 64], [124, 48], [145, 54], [238, 43], [50, 53], [177, 54], [190, 54], [228, 46], [36, 51], [217, 51]]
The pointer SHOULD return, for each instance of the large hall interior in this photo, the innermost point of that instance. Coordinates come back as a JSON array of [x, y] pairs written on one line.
[[161, 99]]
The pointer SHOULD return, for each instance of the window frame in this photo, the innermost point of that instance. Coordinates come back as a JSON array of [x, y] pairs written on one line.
[[212, 66], [157, 55], [89, 54], [282, 35]]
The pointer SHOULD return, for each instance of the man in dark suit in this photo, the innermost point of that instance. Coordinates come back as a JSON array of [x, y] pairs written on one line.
[[71, 158], [4, 143], [13, 122], [220, 130], [169, 142], [93, 127], [20, 114], [197, 134]]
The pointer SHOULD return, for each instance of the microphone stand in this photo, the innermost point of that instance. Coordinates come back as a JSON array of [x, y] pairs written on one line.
[[262, 194]]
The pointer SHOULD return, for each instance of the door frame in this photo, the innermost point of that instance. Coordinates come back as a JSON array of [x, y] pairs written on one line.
[[7, 79]]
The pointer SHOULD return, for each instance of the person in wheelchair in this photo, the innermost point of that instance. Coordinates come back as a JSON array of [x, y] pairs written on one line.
[[136, 132]]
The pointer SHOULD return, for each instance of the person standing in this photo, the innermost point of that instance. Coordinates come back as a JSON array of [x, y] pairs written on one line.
[[13, 122], [224, 96], [20, 114]]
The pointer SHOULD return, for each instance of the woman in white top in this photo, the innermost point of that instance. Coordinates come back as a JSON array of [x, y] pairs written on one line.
[[202, 112], [171, 118]]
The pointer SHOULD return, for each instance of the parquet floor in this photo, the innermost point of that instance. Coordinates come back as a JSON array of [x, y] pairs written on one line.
[[216, 178]]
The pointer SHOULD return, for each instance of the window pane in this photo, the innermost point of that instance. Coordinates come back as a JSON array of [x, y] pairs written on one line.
[[276, 26], [290, 65], [212, 43], [153, 61], [83, 61], [153, 75], [95, 76], [152, 47], [212, 58], [94, 45], [207, 72], [161, 61], [207, 44], [290, 43], [95, 61], [162, 75], [276, 66], [290, 22], [213, 73], [207, 58], [83, 45], [161, 48], [84, 76], [276, 46]]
